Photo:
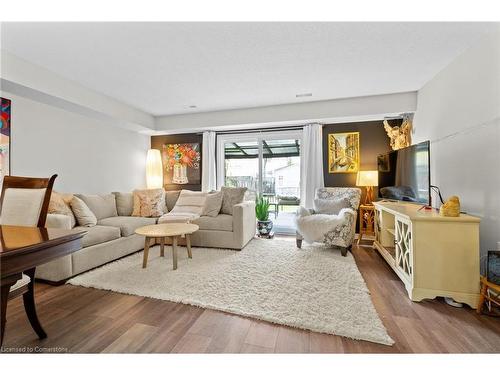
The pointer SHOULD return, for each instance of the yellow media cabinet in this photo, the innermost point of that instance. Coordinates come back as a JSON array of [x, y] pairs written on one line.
[[434, 256]]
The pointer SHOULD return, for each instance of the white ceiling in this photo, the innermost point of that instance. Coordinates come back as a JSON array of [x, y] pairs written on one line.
[[163, 68]]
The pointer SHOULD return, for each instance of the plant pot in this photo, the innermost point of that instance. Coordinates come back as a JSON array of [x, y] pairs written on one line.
[[264, 227]]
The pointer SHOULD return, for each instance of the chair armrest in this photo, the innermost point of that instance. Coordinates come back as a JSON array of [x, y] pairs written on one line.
[[244, 221], [343, 234], [58, 221]]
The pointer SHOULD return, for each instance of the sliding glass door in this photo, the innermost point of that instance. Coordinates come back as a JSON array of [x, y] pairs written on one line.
[[266, 163]]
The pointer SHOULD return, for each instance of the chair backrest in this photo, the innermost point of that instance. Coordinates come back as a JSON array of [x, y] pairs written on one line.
[[25, 200], [353, 195]]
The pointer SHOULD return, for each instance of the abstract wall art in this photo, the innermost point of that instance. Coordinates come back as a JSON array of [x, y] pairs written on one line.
[[5, 138]]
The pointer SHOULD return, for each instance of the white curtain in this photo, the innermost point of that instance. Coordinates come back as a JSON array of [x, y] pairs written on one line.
[[208, 177], [311, 163]]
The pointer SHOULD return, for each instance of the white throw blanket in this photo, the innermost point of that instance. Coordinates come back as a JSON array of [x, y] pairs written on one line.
[[189, 207], [313, 227]]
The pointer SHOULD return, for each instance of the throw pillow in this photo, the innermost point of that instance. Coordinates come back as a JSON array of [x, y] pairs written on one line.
[[60, 204], [84, 216], [330, 206], [213, 204], [191, 202], [124, 203], [102, 206], [230, 197], [149, 203]]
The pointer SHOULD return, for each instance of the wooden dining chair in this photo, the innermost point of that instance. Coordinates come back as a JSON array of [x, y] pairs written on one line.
[[24, 202]]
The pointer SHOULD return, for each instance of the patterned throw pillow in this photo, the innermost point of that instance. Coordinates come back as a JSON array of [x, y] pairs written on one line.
[[60, 204], [149, 202]]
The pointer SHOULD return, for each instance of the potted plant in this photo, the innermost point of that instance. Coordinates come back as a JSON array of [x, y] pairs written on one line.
[[264, 225]]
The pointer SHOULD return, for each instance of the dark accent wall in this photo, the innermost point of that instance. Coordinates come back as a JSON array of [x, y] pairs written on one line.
[[158, 141], [373, 140]]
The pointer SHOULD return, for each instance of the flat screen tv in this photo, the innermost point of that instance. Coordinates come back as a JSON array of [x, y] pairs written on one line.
[[404, 174]]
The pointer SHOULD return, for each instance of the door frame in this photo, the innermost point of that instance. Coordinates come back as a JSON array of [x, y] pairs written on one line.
[[251, 136]]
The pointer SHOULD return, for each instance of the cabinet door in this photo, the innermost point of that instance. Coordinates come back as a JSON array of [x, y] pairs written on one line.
[[404, 247]]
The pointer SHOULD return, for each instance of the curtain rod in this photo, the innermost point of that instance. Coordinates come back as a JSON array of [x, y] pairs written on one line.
[[242, 131]]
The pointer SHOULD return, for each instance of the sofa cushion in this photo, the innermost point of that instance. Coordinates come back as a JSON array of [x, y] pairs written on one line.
[[102, 206], [221, 222], [230, 197], [181, 217], [124, 203], [84, 216], [171, 199], [98, 234], [127, 224]]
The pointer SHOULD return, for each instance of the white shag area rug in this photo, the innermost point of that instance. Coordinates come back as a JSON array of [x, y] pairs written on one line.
[[314, 288]]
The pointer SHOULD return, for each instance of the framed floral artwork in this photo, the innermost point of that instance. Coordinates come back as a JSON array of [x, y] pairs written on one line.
[[181, 163]]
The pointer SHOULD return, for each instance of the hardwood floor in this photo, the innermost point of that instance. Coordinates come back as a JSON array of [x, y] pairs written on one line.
[[88, 320]]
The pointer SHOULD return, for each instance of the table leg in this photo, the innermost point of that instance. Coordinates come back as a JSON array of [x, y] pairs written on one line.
[[360, 226], [484, 290], [174, 251], [146, 252], [5, 297], [29, 306], [162, 246], [188, 245]]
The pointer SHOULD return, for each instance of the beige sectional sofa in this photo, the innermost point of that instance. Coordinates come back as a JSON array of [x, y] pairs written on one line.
[[113, 237]]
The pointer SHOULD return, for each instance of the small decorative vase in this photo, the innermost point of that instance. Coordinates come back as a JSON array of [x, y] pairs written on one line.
[[451, 207], [180, 174], [264, 227]]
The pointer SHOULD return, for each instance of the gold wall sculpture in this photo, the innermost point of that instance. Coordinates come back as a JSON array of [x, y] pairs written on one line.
[[400, 136]]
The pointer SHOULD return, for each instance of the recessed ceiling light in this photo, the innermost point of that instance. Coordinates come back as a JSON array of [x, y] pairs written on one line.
[[303, 95], [192, 106]]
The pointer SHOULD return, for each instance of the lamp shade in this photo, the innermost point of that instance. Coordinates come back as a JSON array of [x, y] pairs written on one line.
[[154, 170], [367, 178]]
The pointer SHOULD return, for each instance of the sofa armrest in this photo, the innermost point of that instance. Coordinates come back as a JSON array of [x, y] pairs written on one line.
[[58, 221], [244, 222]]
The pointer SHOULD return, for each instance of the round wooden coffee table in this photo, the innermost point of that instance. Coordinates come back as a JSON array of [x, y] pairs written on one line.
[[161, 231]]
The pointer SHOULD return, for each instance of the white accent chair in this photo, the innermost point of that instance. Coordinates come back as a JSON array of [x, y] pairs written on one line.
[[335, 224]]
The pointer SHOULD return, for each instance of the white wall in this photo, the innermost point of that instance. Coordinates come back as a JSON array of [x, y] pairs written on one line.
[[459, 112], [89, 155]]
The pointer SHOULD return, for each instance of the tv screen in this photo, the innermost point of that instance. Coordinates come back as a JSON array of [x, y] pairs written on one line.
[[404, 174]]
